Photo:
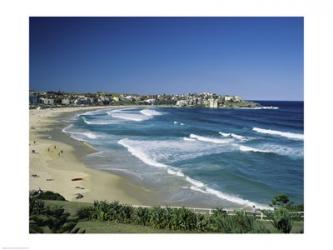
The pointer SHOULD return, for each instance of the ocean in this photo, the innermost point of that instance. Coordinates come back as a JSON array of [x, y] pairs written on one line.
[[232, 158]]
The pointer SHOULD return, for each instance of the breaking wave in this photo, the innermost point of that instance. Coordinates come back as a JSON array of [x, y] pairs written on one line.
[[130, 117], [289, 135], [188, 139], [99, 121], [210, 139], [195, 184], [150, 112], [251, 149], [274, 149], [141, 155], [262, 107], [235, 136]]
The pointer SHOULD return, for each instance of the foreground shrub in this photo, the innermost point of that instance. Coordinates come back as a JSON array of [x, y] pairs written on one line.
[[141, 216], [46, 195], [282, 220], [45, 219], [85, 213]]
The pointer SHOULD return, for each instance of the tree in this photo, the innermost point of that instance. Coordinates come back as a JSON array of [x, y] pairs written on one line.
[[280, 200]]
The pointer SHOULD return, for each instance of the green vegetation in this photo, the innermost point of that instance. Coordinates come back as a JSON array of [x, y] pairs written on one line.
[[43, 219], [46, 195], [282, 220], [113, 227], [284, 216], [174, 219], [60, 216]]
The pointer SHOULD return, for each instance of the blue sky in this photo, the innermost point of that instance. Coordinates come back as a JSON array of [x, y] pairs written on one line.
[[256, 58]]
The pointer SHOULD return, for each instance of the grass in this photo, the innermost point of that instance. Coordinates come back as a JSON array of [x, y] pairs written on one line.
[[112, 227], [298, 227], [70, 206]]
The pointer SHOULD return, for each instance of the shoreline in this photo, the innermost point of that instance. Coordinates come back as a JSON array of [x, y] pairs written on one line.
[[52, 170], [55, 159]]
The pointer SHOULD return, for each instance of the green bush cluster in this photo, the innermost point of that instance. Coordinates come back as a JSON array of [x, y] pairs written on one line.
[[43, 219], [282, 219], [46, 195], [177, 219]]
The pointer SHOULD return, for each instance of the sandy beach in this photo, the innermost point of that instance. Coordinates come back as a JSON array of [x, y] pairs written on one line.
[[55, 164]]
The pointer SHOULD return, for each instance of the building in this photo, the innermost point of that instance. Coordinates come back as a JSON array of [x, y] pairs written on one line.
[[65, 101], [212, 103], [227, 98], [150, 101], [181, 103], [115, 98], [47, 101]]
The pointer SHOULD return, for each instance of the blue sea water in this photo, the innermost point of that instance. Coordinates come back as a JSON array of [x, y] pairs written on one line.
[[200, 156]]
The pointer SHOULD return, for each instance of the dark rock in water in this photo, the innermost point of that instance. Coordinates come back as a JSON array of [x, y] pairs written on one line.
[[49, 179], [79, 187], [35, 175]]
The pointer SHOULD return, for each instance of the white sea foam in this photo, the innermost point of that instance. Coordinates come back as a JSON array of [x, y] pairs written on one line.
[[90, 135], [181, 124], [293, 152], [195, 188], [113, 111], [275, 149], [225, 134], [86, 135], [288, 135], [202, 188], [130, 117], [118, 110], [235, 199], [262, 107], [99, 121], [195, 184], [65, 130], [251, 149], [173, 150], [175, 122], [150, 112], [188, 139], [235, 136], [141, 155], [175, 172], [210, 139], [266, 107]]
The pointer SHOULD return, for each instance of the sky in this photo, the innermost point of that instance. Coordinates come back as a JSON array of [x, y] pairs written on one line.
[[258, 58]]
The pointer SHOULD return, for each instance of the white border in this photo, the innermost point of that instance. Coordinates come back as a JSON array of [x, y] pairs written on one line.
[[14, 118]]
